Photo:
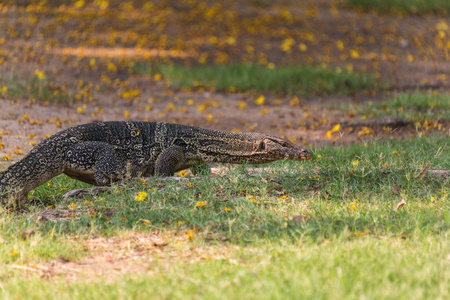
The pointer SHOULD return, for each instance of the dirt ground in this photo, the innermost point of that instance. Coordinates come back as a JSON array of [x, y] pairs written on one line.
[[87, 54]]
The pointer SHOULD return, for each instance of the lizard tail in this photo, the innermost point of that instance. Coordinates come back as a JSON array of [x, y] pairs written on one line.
[[33, 170]]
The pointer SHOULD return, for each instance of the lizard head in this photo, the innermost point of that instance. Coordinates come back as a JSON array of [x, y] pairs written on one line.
[[247, 147], [279, 148]]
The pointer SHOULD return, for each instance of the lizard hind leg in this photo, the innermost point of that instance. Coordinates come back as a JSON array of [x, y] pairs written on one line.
[[93, 162]]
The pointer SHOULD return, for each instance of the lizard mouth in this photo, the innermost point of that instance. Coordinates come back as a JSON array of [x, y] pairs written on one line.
[[303, 156], [308, 156]]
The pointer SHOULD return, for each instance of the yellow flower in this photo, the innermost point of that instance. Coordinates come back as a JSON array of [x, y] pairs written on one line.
[[39, 74], [354, 54], [264, 111], [79, 4], [190, 235], [336, 128], [170, 107], [231, 40], [252, 198], [242, 105], [201, 108], [394, 152], [182, 173], [294, 101], [103, 5], [142, 196], [157, 77], [352, 208], [282, 198], [112, 68], [200, 204], [442, 26], [365, 131], [287, 44], [226, 209], [302, 47], [105, 79], [260, 100], [355, 163], [130, 94]]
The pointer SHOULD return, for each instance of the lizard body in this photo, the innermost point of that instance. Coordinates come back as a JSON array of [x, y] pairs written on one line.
[[105, 152]]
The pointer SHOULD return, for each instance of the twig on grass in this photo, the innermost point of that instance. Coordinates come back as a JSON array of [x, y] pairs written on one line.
[[423, 173]]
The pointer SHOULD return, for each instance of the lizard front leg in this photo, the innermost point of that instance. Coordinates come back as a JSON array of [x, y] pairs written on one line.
[[169, 161], [93, 162]]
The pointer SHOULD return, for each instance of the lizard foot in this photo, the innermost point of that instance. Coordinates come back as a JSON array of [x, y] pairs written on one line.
[[79, 193]]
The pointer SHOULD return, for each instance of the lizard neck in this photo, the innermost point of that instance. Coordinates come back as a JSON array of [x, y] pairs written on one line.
[[228, 147]]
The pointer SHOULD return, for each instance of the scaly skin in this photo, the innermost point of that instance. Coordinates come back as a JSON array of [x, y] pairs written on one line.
[[101, 153]]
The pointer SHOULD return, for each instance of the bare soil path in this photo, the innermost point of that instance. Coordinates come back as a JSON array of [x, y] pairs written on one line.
[[86, 54]]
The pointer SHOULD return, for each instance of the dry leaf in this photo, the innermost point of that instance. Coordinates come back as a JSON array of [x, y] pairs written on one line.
[[396, 190], [160, 244], [28, 234], [299, 219], [109, 213], [400, 205]]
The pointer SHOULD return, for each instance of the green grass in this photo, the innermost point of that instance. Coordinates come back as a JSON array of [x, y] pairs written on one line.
[[304, 80], [371, 268], [18, 87], [353, 244], [410, 6], [418, 106]]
